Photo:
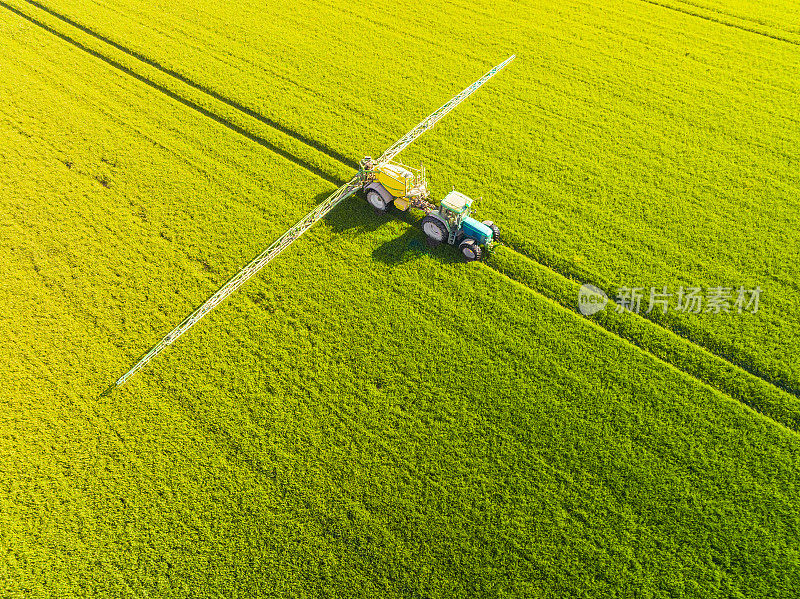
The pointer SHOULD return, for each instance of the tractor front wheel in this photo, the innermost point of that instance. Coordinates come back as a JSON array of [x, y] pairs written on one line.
[[470, 250], [434, 229], [495, 229], [376, 201]]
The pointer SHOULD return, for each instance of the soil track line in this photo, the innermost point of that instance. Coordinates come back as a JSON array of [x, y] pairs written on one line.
[[216, 95], [581, 278], [178, 98], [315, 146], [633, 342], [726, 23]]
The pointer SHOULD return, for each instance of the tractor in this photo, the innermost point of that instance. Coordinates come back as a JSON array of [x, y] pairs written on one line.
[[396, 184]]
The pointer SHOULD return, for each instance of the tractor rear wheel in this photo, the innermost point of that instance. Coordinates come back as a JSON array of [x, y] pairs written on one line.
[[434, 229], [495, 229], [470, 250], [376, 201]]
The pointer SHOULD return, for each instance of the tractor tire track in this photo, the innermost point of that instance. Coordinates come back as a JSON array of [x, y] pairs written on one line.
[[772, 401], [729, 14], [719, 21], [579, 278], [225, 122], [331, 153]]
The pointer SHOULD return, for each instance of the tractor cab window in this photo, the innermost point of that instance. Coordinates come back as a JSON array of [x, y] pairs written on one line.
[[451, 217]]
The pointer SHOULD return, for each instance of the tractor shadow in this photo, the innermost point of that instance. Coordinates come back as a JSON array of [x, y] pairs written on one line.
[[413, 243], [354, 215]]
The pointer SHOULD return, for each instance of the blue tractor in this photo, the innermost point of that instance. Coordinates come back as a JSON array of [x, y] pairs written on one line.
[[453, 224]]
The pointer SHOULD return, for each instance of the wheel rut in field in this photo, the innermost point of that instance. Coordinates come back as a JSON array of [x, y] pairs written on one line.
[[312, 143], [774, 402], [189, 103], [579, 278], [722, 21]]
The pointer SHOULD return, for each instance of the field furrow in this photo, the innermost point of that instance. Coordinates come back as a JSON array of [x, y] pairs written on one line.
[[662, 343], [777, 20]]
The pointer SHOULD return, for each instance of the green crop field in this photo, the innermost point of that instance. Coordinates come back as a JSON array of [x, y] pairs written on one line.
[[369, 416]]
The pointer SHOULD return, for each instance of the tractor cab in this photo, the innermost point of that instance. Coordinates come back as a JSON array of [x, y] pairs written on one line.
[[455, 207], [455, 212]]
